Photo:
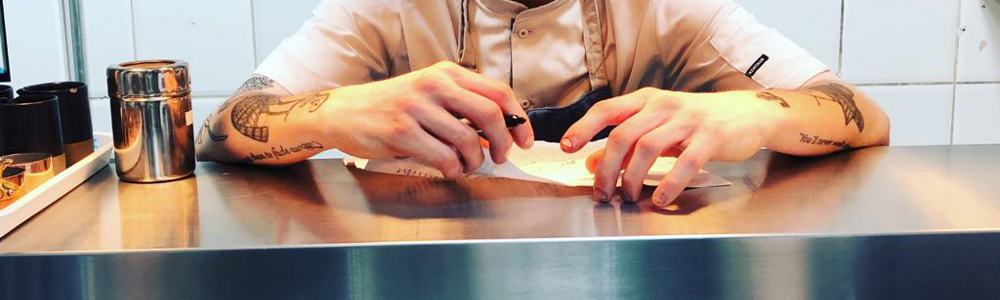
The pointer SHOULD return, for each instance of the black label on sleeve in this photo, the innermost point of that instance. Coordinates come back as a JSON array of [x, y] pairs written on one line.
[[757, 64]]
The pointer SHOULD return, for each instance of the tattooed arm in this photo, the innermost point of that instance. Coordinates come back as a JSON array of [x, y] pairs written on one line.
[[824, 116], [413, 115], [263, 124]]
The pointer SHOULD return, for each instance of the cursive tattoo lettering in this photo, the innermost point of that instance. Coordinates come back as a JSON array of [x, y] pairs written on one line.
[[818, 141], [277, 152]]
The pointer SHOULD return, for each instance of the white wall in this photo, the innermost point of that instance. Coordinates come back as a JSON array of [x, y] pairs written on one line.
[[934, 65], [35, 41]]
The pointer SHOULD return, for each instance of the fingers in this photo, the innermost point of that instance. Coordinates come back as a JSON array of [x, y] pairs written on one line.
[[499, 93], [620, 143], [411, 140], [445, 127], [593, 160], [647, 149], [606, 113], [688, 164], [484, 115]]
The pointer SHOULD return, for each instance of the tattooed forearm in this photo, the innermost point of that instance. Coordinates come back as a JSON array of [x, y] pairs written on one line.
[[250, 109], [818, 141], [256, 82], [768, 96], [281, 151], [214, 137], [844, 97], [206, 130]]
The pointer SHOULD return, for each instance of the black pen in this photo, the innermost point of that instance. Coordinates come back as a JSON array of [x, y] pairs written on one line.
[[513, 120], [510, 121]]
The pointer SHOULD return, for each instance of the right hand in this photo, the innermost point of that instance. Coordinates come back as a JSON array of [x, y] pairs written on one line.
[[418, 115]]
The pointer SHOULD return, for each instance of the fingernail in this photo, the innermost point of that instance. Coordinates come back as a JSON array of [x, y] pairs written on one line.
[[566, 143], [599, 195], [659, 199]]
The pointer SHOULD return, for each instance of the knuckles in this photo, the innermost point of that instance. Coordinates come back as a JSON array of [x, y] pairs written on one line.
[[430, 83], [647, 147], [619, 137], [490, 111], [468, 138], [445, 65], [397, 129], [648, 92]]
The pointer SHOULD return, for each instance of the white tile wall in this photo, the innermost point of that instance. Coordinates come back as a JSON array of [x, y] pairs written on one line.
[[979, 43], [273, 20], [100, 115], [977, 114], [107, 32], [37, 48], [920, 114], [900, 40], [215, 37], [815, 25]]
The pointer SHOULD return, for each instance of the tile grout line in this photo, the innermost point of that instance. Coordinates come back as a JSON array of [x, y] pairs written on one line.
[[131, 20], [253, 34], [954, 87], [840, 50], [67, 47]]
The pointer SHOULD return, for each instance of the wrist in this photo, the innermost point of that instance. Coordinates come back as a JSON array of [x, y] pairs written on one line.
[[322, 126], [773, 111]]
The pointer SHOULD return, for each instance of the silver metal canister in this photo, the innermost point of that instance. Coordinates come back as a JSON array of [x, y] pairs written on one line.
[[152, 120]]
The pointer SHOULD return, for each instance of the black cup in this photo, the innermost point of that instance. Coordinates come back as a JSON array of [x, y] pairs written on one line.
[[74, 111], [31, 123], [6, 93]]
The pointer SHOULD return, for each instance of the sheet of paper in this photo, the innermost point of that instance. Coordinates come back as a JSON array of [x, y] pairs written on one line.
[[544, 162]]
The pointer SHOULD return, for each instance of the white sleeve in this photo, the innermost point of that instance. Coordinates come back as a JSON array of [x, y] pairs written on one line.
[[339, 45], [720, 44]]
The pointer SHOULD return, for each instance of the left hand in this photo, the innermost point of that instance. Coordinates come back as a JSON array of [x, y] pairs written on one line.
[[695, 127]]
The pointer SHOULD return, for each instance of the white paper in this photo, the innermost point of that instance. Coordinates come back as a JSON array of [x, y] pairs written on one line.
[[544, 162]]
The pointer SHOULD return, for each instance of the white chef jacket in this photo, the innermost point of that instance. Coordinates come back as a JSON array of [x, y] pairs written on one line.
[[681, 45]]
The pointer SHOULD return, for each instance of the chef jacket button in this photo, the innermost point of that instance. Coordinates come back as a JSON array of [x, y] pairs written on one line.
[[526, 104], [523, 33]]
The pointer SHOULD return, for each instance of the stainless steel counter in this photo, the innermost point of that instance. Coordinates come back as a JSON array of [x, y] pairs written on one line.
[[917, 221]]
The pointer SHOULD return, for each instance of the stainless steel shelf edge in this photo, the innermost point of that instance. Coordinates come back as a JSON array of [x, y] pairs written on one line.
[[952, 266]]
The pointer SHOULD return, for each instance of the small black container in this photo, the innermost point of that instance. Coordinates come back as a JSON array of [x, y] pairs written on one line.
[[6, 93], [74, 112], [30, 123]]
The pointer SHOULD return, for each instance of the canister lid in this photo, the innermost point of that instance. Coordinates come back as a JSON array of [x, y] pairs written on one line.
[[149, 78]]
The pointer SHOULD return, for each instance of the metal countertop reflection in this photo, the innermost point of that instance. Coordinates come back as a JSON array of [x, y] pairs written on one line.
[[872, 191], [854, 217]]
